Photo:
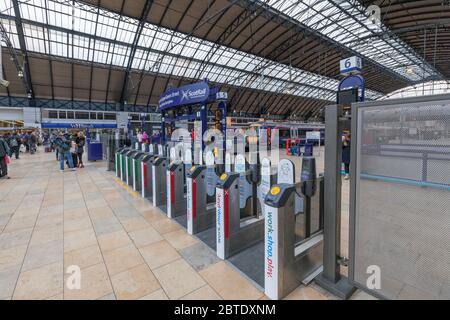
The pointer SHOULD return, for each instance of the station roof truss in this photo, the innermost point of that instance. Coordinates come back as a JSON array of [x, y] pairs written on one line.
[[275, 55]]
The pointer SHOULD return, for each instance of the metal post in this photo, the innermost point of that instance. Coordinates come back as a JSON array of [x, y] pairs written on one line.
[[163, 129], [331, 278], [204, 119]]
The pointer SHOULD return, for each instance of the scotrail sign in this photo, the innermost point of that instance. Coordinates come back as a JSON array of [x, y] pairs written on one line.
[[186, 95]]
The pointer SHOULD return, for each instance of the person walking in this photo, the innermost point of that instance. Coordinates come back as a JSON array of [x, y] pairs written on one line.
[[80, 141], [14, 144], [33, 142], [4, 153], [63, 145]]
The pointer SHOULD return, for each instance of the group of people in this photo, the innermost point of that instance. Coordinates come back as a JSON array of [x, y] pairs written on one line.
[[69, 148], [11, 144]]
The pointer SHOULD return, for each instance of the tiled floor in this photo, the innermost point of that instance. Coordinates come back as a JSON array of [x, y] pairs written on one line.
[[125, 248]]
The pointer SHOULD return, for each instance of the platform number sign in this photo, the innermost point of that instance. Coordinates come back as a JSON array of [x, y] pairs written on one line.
[[350, 65]]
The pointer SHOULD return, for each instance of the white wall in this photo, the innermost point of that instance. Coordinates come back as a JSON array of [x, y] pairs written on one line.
[[7, 113]]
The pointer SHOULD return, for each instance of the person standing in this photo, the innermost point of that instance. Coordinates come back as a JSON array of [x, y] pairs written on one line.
[[139, 136], [346, 155], [63, 144], [14, 144], [80, 141], [4, 152]]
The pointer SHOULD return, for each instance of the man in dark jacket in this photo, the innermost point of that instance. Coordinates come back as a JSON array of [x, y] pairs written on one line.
[[14, 144], [4, 151]]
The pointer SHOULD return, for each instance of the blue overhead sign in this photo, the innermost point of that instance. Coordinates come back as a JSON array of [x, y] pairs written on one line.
[[186, 95], [53, 125]]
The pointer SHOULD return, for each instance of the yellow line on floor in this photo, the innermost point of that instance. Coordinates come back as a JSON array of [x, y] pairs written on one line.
[[130, 190]]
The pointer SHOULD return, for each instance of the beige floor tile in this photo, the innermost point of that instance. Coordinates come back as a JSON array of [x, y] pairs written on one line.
[[15, 238], [40, 283], [122, 259], [180, 239], [203, 293], [228, 283], [12, 256], [144, 237], [157, 295], [110, 296], [134, 224], [97, 203], [95, 283], [38, 256], [84, 257], [101, 213], [20, 223], [49, 220], [57, 297], [73, 196], [159, 253], [77, 224], [79, 239], [70, 214], [57, 209], [134, 283], [305, 293], [45, 235], [113, 240], [26, 212], [178, 278], [8, 280], [152, 216], [57, 201], [165, 226]]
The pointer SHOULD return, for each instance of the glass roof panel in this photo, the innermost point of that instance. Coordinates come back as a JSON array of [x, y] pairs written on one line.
[[346, 22], [420, 89], [80, 31]]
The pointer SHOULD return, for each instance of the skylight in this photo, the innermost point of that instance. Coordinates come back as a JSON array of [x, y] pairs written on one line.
[[420, 89], [346, 22], [88, 33]]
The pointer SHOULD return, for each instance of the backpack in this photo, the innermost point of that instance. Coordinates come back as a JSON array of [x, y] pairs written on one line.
[[62, 144]]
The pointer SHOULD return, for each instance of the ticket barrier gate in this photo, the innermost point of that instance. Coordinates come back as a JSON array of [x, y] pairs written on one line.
[[290, 261], [147, 171], [239, 224], [136, 160], [159, 183], [128, 164], [146, 175], [176, 201], [201, 198], [122, 164], [119, 161]]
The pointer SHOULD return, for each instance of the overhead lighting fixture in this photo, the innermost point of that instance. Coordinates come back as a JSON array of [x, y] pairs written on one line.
[[409, 70]]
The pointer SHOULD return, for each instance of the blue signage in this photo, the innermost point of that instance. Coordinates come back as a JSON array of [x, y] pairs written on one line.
[[78, 125], [186, 95]]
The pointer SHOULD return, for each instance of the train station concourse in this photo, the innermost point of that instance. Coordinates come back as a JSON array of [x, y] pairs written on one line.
[[266, 151]]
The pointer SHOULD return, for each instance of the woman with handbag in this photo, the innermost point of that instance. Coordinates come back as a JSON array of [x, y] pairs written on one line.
[[80, 141]]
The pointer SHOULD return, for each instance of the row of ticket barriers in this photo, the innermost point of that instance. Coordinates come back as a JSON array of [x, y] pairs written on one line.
[[255, 215]]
